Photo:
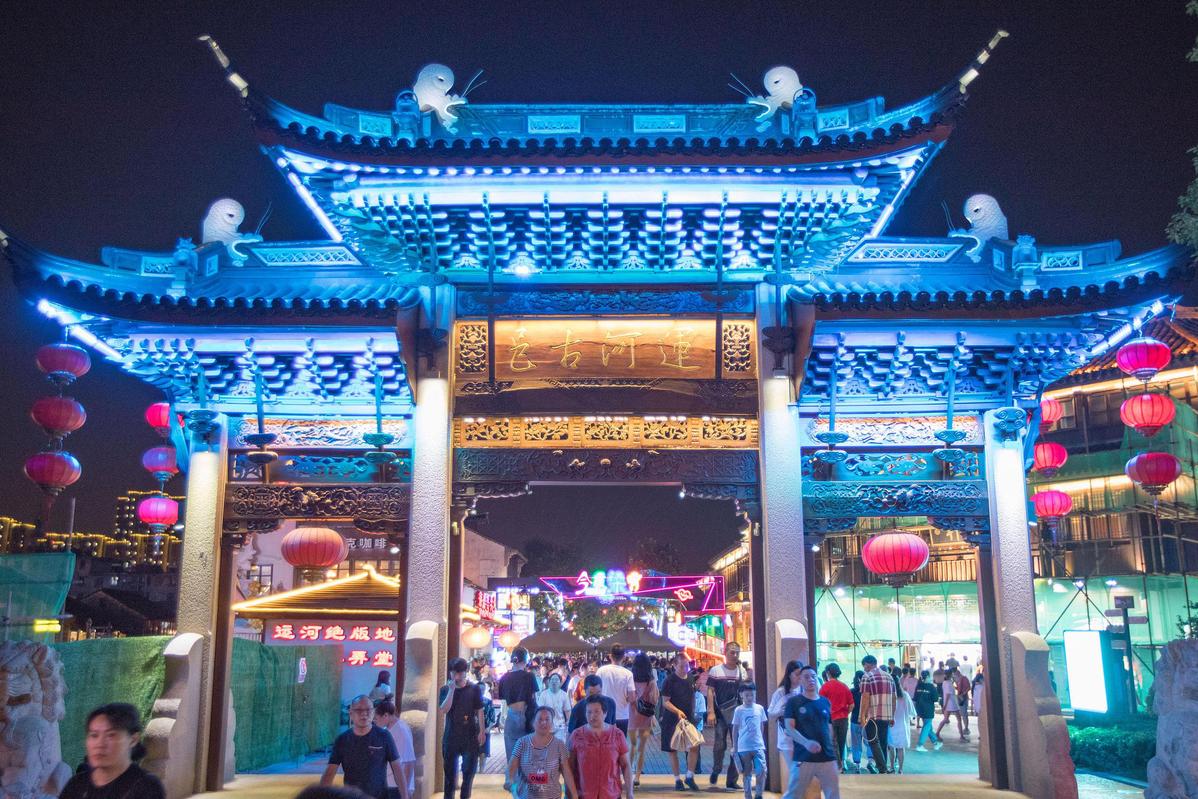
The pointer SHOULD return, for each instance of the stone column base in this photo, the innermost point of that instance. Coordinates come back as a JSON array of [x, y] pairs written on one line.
[[1042, 768]]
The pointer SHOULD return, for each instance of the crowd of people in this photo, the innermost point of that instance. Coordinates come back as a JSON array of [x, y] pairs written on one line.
[[584, 727]]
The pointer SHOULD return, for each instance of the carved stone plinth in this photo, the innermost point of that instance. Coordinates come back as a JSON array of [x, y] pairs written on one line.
[[1173, 773], [30, 747]]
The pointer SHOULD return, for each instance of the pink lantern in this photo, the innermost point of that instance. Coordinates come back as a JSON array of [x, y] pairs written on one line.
[[1143, 357], [895, 556], [158, 513], [158, 416], [58, 416], [314, 548], [62, 362], [160, 462], [1153, 471], [1050, 507], [53, 471], [1051, 411], [1147, 413], [1048, 457]]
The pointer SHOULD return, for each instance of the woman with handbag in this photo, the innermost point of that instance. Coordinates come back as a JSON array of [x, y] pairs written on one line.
[[540, 762], [678, 703], [640, 721]]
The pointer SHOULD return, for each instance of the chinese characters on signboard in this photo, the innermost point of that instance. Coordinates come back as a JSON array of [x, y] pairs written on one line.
[[364, 644], [695, 594], [485, 605]]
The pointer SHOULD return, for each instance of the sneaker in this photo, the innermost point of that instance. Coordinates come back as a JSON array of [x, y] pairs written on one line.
[[938, 745], [678, 786], [871, 768], [690, 783], [636, 782], [715, 777], [732, 786]]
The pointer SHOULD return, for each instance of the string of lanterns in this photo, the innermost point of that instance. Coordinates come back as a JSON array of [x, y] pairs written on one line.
[[53, 468], [158, 511], [1147, 413]]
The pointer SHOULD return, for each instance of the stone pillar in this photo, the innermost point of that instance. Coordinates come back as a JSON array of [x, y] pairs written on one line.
[[1032, 739], [200, 570], [784, 586], [428, 562]]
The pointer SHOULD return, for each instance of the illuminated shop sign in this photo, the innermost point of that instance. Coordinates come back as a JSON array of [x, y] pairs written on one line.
[[696, 594], [485, 604]]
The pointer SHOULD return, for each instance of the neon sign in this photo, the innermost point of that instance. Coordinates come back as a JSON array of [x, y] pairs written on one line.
[[332, 632], [697, 594]]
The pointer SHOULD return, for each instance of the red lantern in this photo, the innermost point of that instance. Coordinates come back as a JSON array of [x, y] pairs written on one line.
[[58, 416], [1143, 357], [158, 513], [1153, 471], [895, 556], [1048, 457], [1051, 411], [53, 471], [160, 462], [1147, 413], [314, 548], [1050, 507], [63, 362], [158, 416]]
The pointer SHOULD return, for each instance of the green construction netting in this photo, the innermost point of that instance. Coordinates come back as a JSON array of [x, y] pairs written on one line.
[[279, 718], [33, 586], [104, 670]]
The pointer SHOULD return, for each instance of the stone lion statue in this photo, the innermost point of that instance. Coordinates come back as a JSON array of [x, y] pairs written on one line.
[[32, 690]]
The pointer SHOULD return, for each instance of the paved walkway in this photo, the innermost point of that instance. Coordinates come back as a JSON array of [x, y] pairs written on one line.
[[949, 773]]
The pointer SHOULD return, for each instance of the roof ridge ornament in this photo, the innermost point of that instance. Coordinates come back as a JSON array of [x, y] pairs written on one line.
[[235, 80], [974, 69], [432, 90], [782, 87]]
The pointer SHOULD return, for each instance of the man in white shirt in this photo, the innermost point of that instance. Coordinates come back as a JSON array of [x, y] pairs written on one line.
[[618, 686], [387, 717], [723, 682]]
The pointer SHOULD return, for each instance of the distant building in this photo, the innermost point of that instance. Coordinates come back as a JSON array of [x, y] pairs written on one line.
[[135, 543]]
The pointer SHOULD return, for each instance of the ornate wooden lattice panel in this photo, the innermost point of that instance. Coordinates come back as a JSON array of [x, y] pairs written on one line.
[[611, 432]]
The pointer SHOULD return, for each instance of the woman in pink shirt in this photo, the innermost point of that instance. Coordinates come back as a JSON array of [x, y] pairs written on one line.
[[599, 756]]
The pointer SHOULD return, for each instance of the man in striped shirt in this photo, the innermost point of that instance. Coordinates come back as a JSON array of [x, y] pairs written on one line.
[[877, 708]]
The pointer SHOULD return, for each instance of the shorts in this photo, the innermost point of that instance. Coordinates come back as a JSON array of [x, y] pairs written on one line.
[[754, 760]]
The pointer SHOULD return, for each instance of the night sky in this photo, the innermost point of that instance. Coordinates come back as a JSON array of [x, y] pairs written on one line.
[[119, 129]]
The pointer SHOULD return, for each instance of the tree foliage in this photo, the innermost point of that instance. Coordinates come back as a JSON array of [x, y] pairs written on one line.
[[649, 553], [1183, 228], [594, 620]]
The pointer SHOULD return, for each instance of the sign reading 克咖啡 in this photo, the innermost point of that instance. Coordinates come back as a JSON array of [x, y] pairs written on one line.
[[536, 349]]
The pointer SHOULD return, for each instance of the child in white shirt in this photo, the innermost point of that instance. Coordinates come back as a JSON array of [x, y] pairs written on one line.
[[748, 731]]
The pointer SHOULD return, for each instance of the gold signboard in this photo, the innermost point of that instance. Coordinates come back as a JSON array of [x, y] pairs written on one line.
[[539, 349]]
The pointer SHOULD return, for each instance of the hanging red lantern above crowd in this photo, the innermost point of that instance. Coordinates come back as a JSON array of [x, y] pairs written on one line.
[[63, 362], [1153, 471], [158, 513], [53, 471], [1147, 413], [895, 556], [1048, 457], [314, 548], [1051, 411], [1143, 357], [158, 416], [58, 416]]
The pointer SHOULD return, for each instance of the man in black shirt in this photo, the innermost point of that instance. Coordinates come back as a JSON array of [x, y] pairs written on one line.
[[364, 752], [465, 728], [809, 724], [578, 715]]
